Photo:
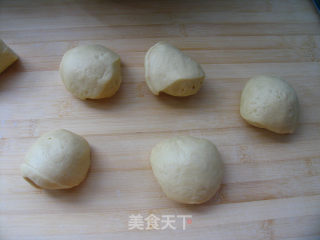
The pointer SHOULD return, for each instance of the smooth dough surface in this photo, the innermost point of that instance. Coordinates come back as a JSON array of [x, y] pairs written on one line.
[[169, 70], [59, 159], [270, 103], [188, 169], [7, 56], [91, 71]]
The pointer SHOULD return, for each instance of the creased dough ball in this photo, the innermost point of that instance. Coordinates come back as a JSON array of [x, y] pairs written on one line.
[[188, 169], [7, 56], [169, 70], [57, 160], [270, 103], [91, 71]]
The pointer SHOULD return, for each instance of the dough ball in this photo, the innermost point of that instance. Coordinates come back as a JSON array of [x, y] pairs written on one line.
[[57, 160], [7, 56], [91, 72], [169, 70], [188, 169], [270, 103]]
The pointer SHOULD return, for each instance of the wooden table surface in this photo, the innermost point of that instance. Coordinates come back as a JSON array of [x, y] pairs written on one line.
[[271, 188]]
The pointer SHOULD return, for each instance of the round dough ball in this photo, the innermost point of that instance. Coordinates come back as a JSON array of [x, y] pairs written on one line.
[[91, 72], [57, 160], [188, 169], [270, 103], [169, 70]]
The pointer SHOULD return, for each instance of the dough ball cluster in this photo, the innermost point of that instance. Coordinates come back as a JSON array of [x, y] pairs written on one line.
[[188, 169], [91, 71]]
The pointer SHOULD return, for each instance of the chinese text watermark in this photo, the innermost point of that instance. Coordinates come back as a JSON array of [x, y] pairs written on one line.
[[153, 222]]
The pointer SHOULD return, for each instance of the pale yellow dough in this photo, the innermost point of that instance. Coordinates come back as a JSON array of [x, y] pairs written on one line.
[[188, 169], [270, 103], [7, 56], [169, 70], [59, 159], [91, 71]]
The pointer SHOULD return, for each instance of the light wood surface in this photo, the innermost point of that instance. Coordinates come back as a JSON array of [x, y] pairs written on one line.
[[271, 188]]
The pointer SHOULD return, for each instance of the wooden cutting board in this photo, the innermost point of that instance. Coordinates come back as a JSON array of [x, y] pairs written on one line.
[[271, 188]]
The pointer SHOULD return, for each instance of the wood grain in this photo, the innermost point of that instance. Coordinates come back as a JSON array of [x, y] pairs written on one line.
[[271, 189]]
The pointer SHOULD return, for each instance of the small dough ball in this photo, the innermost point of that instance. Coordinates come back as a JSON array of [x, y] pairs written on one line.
[[91, 71], [270, 103], [7, 56], [57, 160], [188, 169], [169, 70]]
